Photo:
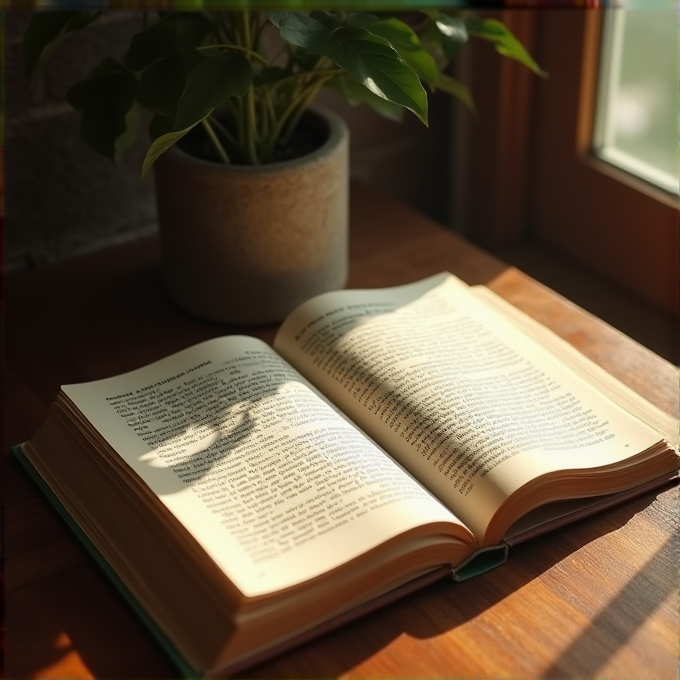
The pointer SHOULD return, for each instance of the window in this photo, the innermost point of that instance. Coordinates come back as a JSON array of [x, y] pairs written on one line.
[[636, 124], [600, 216], [531, 182]]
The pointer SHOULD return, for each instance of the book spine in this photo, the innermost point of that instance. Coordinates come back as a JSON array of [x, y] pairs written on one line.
[[481, 561]]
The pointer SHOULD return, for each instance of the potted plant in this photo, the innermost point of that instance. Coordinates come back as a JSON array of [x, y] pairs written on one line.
[[251, 181]]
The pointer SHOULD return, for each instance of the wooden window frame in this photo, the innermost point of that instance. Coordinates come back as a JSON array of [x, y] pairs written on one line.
[[531, 173]]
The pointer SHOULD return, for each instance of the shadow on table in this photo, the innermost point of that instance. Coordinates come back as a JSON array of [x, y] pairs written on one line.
[[444, 606], [620, 619]]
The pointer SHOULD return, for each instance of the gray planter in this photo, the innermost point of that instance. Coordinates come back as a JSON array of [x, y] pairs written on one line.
[[247, 244]]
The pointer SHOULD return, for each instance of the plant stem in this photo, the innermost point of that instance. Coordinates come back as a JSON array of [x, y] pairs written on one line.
[[216, 142], [236, 48], [224, 131], [326, 74], [299, 108], [268, 117], [289, 119]]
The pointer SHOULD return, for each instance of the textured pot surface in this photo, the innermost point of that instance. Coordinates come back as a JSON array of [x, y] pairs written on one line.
[[247, 244]]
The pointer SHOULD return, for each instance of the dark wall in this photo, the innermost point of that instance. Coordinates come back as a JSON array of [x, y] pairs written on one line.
[[61, 198]]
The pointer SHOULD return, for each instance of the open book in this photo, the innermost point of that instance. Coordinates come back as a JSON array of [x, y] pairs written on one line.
[[247, 497]]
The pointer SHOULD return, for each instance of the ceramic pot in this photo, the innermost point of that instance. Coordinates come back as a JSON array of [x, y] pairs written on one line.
[[247, 244]]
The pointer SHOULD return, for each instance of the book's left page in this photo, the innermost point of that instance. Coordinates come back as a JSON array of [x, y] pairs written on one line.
[[275, 484]]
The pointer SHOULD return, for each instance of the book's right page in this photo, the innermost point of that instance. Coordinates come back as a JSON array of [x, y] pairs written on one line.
[[487, 417], [664, 423]]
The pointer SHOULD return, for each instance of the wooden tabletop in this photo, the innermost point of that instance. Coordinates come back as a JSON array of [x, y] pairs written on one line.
[[596, 599]]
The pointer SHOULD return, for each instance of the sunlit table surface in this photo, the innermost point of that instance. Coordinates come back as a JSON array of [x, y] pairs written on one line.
[[596, 599]]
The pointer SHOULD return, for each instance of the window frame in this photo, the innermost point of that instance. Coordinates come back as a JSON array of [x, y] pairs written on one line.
[[546, 184]]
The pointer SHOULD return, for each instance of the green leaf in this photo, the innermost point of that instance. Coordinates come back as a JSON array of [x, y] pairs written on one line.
[[163, 82], [186, 87], [505, 42], [162, 141], [455, 88], [46, 31], [176, 32], [216, 78], [106, 101], [451, 32], [374, 63], [208, 81], [357, 94], [328, 19], [192, 28], [403, 39], [151, 44], [368, 58], [159, 126], [300, 29]]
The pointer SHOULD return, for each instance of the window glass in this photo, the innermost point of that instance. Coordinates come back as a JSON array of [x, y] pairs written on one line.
[[637, 111]]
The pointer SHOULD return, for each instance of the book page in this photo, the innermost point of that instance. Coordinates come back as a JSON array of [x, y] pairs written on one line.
[[274, 484], [662, 422], [463, 399]]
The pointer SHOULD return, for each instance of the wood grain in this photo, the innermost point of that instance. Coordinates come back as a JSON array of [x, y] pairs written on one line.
[[595, 599]]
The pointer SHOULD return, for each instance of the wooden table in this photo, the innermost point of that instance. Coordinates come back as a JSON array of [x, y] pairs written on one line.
[[598, 598]]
